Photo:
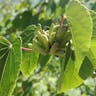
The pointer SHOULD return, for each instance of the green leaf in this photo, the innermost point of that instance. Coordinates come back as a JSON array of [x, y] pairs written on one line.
[[86, 69], [81, 31], [28, 34], [67, 71], [24, 19], [43, 60], [10, 60], [29, 62], [3, 53], [92, 51], [81, 28], [65, 66], [69, 80], [92, 56], [29, 58], [93, 15]]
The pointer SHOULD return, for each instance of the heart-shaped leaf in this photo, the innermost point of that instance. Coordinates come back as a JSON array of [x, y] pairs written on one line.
[[10, 60], [81, 29]]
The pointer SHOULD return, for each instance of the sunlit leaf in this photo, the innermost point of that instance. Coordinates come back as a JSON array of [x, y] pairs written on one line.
[[29, 62], [81, 28], [10, 61], [92, 51]]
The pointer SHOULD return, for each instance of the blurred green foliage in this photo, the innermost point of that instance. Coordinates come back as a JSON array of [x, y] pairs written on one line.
[[15, 18]]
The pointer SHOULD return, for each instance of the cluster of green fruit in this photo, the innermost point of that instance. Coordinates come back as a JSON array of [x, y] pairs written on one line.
[[52, 41]]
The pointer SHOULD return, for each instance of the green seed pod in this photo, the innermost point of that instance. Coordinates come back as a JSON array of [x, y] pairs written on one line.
[[46, 33], [60, 53], [67, 38], [51, 29], [52, 38], [38, 29], [43, 39], [60, 34], [37, 46], [54, 48]]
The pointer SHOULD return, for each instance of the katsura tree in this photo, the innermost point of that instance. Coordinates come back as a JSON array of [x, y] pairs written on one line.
[[72, 41]]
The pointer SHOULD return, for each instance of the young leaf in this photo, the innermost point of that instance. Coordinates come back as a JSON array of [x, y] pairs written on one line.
[[10, 60], [81, 28]]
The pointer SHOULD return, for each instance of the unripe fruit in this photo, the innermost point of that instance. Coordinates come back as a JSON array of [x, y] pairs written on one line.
[[60, 53], [54, 48], [37, 46], [61, 31], [52, 38], [43, 39], [51, 29]]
